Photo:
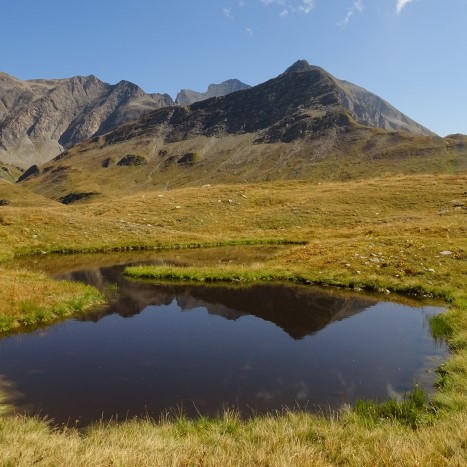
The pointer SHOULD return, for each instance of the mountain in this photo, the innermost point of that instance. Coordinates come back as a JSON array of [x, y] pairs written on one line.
[[367, 108], [39, 118], [304, 101], [303, 124], [188, 97]]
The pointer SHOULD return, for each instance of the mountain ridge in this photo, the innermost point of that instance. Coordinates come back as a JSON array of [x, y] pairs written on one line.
[[41, 117], [303, 100], [188, 96], [364, 106], [292, 127]]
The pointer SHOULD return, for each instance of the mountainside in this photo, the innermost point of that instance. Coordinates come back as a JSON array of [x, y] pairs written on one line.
[[9, 172], [302, 102], [295, 126], [370, 110], [188, 97], [38, 118], [367, 108], [41, 118], [293, 105]]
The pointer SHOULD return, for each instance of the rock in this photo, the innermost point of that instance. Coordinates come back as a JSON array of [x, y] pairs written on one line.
[[33, 171], [107, 162], [188, 97], [188, 159], [41, 117], [73, 197], [132, 160], [299, 67], [445, 252]]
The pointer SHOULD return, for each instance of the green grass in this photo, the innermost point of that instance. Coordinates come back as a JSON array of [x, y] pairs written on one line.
[[413, 411], [223, 274], [29, 299], [258, 273]]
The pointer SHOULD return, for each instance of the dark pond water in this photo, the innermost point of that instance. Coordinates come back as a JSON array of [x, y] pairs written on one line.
[[161, 348]]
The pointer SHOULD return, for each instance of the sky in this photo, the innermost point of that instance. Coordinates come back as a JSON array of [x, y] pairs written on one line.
[[410, 52]]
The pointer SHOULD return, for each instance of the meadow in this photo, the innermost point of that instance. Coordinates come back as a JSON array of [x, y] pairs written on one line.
[[394, 235]]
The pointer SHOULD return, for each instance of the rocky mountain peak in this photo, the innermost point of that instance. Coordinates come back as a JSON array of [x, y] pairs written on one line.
[[300, 66], [188, 97], [127, 85], [228, 85], [40, 117]]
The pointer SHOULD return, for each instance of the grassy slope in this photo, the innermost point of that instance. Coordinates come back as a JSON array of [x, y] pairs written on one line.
[[9, 172], [360, 153], [386, 233]]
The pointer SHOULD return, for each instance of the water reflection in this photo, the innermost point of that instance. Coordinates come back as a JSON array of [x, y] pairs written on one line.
[[298, 310], [260, 348]]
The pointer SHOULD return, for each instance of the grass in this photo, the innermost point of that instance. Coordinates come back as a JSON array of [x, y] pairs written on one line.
[[29, 298], [413, 411], [233, 159], [287, 438], [248, 274], [402, 234], [200, 274]]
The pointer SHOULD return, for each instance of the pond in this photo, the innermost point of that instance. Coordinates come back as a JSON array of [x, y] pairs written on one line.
[[172, 348]]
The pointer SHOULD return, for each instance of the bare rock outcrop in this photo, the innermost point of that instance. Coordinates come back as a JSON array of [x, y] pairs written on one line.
[[39, 118], [188, 97]]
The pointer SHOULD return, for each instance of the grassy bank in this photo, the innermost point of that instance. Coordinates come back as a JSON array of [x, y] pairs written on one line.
[[29, 298], [284, 439], [401, 234], [249, 274]]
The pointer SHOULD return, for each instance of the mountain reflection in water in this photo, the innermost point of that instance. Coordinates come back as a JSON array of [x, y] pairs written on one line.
[[160, 347], [298, 310]]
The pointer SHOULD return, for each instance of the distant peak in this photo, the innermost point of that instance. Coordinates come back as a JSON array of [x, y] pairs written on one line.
[[299, 66]]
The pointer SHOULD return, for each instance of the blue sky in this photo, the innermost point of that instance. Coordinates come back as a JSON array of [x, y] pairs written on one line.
[[410, 52]]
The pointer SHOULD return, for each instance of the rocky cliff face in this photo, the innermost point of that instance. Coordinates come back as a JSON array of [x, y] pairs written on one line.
[[188, 97], [365, 107], [38, 118], [370, 110]]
